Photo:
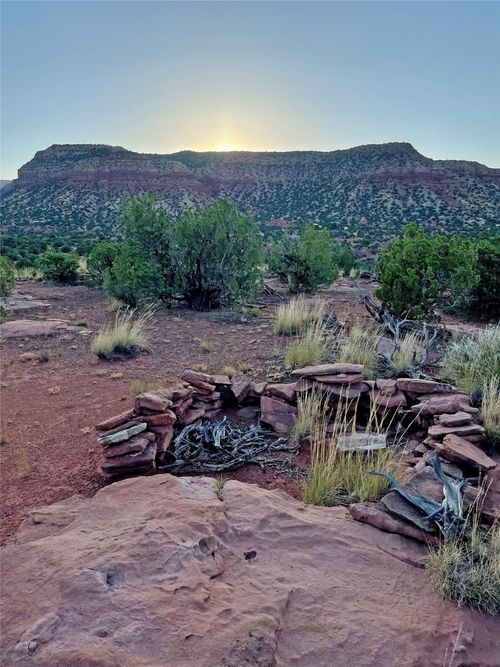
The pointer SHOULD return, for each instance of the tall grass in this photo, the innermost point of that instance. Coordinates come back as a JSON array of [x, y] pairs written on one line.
[[298, 315], [312, 411], [474, 360], [409, 353], [338, 477], [28, 273], [139, 386], [361, 346], [467, 572], [127, 337], [490, 409], [309, 348]]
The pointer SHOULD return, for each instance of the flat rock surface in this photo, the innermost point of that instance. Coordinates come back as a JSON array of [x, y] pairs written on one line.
[[27, 328], [158, 571]]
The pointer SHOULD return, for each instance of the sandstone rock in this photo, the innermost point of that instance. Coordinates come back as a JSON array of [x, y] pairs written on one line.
[[240, 386], [280, 422], [327, 369], [258, 388], [158, 572], [195, 377], [136, 444], [457, 419], [203, 388], [490, 509], [179, 395], [401, 508], [164, 439], [424, 386], [397, 400], [375, 515], [117, 420], [157, 400], [455, 448], [214, 413], [192, 415], [119, 463], [161, 419], [438, 432], [210, 398], [346, 391], [219, 380], [268, 404], [363, 442], [385, 347], [284, 391], [122, 435], [386, 387], [444, 404], [341, 378]]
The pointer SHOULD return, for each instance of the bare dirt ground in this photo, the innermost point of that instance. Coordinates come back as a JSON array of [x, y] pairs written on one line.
[[50, 403]]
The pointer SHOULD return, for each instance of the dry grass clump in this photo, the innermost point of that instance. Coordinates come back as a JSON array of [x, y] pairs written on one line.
[[28, 273], [409, 353], [361, 345], [490, 409], [338, 477], [467, 572], [139, 386], [313, 410], [229, 371], [308, 349], [474, 360], [200, 368], [126, 338], [298, 315]]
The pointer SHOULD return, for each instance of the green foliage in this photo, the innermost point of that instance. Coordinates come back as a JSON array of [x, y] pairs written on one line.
[[218, 256], [61, 267], [101, 259], [485, 297], [305, 263], [7, 277], [420, 271], [343, 257]]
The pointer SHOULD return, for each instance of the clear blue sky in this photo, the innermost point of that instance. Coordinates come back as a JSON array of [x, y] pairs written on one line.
[[163, 76]]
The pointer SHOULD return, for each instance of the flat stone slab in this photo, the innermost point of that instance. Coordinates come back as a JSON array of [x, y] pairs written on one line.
[[438, 432], [375, 515], [286, 391], [456, 448], [362, 442], [396, 400], [424, 386], [327, 369], [444, 404], [122, 435], [240, 386], [400, 507], [457, 419], [29, 328], [341, 378]]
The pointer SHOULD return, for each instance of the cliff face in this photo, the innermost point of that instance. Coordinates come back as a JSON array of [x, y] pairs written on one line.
[[82, 188]]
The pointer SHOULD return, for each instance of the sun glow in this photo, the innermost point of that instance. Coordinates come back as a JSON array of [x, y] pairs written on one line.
[[224, 149]]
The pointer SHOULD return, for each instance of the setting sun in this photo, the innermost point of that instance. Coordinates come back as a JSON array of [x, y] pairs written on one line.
[[224, 149]]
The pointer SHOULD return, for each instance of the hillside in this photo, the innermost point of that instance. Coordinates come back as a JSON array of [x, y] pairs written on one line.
[[368, 191]]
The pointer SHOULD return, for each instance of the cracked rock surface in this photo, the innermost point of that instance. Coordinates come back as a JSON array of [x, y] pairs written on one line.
[[159, 572]]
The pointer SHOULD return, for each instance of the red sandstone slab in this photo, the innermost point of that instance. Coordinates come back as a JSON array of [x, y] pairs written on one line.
[[341, 378], [456, 448], [327, 369], [416, 386], [115, 421], [286, 391]]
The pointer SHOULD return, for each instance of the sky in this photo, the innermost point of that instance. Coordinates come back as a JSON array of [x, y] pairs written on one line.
[[158, 77]]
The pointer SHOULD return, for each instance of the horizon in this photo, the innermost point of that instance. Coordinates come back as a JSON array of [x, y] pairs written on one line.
[[251, 77]]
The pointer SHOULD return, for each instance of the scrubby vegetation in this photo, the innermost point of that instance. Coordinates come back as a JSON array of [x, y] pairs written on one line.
[[312, 410], [139, 386], [361, 345], [298, 314], [467, 572], [309, 348], [490, 409], [7, 277], [126, 338], [304, 263], [61, 267], [473, 360]]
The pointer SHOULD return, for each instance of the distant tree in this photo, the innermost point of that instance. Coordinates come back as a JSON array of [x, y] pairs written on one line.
[[101, 259], [7, 277], [485, 297], [305, 263], [343, 257], [62, 267], [218, 256], [420, 271]]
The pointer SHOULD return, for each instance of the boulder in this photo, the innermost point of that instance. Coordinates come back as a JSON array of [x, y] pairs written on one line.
[[280, 422], [157, 571], [458, 449], [327, 369], [240, 386], [258, 388], [284, 391], [424, 386]]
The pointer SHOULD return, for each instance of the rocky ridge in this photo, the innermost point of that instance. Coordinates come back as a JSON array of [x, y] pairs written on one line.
[[81, 188]]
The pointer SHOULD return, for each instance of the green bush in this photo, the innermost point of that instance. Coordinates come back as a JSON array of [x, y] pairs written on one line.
[[485, 297], [343, 257], [305, 263], [7, 277], [101, 260], [62, 267], [421, 271]]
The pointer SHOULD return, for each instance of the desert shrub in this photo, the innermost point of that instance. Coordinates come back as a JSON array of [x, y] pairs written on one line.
[[409, 352], [139, 386], [101, 260], [218, 256], [7, 277], [485, 297], [420, 271], [490, 409], [473, 360], [343, 258], [307, 349], [298, 314], [312, 410], [305, 263], [126, 338], [229, 371], [61, 267], [4, 313], [467, 572], [360, 347]]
